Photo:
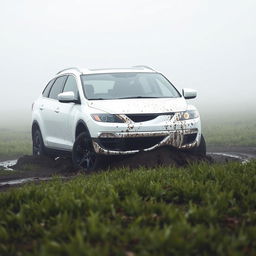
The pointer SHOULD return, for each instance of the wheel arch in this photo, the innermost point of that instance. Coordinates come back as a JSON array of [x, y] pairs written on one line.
[[35, 125], [81, 127]]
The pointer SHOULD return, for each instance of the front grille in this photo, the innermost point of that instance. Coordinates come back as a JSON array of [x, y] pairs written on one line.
[[189, 138], [124, 144], [137, 118]]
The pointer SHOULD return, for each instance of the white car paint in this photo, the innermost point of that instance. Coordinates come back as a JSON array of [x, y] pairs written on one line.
[[58, 121]]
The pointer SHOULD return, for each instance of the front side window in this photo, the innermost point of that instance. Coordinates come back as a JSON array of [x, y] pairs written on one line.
[[127, 85], [57, 87], [48, 88], [71, 86]]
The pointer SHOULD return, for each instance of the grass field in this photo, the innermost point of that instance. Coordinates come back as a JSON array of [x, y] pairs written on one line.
[[224, 130], [198, 210], [14, 142]]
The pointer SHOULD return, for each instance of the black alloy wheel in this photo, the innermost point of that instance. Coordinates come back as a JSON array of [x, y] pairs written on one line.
[[201, 149], [83, 154], [38, 144]]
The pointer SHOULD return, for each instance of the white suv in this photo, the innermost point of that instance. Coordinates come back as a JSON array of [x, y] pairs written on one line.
[[96, 112]]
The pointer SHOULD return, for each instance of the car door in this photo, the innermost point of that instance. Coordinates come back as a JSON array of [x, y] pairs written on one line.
[[52, 125], [67, 114], [43, 102]]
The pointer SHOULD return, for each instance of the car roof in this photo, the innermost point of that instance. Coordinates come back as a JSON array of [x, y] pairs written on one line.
[[107, 70]]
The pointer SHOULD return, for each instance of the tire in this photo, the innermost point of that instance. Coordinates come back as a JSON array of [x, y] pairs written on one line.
[[83, 154], [38, 147], [201, 149]]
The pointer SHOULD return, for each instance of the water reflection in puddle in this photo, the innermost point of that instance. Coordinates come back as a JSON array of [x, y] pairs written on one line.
[[21, 181], [6, 165]]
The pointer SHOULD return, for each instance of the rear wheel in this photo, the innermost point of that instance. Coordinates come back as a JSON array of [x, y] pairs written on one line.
[[38, 144], [83, 154]]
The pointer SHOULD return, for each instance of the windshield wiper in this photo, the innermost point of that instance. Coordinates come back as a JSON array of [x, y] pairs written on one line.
[[138, 97], [98, 99], [129, 97]]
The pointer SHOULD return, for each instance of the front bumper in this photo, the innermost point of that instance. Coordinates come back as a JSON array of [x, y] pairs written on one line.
[[118, 143]]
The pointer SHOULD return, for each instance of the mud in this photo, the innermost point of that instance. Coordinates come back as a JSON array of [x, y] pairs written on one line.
[[34, 169], [37, 169], [6, 165], [55, 166], [230, 153], [164, 156]]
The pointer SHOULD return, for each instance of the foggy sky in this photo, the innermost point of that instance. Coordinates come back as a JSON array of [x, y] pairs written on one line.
[[202, 44]]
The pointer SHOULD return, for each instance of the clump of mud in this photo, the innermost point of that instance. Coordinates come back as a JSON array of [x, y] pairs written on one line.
[[164, 156], [44, 164]]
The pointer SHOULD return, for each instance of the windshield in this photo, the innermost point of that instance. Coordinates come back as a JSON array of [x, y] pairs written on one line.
[[127, 85]]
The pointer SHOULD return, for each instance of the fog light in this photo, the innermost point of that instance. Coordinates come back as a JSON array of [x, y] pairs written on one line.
[[107, 135]]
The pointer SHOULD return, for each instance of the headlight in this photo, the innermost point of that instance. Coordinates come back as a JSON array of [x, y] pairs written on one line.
[[108, 118], [186, 115]]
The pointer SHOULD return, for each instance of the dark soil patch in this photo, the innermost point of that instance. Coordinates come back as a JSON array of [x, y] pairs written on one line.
[[54, 166], [31, 166], [164, 156], [160, 157]]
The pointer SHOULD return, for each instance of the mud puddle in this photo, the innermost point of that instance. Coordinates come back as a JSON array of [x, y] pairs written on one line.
[[18, 182], [231, 153], [21, 181], [222, 157], [7, 165]]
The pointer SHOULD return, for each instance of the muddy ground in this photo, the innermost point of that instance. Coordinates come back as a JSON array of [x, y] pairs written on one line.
[[29, 168]]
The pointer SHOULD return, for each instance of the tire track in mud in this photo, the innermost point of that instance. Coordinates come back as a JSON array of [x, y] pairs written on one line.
[[220, 157], [231, 153]]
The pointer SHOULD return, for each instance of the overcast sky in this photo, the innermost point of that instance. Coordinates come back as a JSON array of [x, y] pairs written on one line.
[[203, 44]]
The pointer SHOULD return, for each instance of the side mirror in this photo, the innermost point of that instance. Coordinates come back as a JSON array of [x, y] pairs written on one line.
[[189, 93], [66, 97]]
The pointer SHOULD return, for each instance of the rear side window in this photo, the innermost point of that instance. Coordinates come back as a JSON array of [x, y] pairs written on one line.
[[48, 88], [57, 87], [71, 86]]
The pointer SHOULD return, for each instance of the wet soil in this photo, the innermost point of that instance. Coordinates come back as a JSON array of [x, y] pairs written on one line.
[[36, 169], [231, 153], [164, 156]]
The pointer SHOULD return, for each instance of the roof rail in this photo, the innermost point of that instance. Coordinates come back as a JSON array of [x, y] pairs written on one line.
[[143, 66], [77, 69]]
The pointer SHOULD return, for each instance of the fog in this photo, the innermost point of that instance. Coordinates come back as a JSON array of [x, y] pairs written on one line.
[[201, 44]]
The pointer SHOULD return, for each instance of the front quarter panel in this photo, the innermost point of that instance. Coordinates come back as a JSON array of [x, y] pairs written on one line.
[[37, 117]]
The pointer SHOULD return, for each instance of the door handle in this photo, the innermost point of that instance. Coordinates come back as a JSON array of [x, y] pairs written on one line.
[[57, 110], [41, 107]]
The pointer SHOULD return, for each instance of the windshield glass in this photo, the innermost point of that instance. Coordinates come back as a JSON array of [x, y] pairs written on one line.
[[127, 85]]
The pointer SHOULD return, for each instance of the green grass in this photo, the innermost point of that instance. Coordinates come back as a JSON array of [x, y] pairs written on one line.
[[14, 142], [199, 210], [233, 130]]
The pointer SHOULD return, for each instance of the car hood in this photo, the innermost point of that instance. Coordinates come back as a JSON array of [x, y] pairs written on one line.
[[137, 106]]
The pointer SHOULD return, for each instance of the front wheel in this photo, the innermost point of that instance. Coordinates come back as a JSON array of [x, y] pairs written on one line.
[[38, 144], [83, 154], [201, 149]]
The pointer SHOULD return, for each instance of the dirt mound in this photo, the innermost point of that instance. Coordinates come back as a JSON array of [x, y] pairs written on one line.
[[164, 156], [43, 164]]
